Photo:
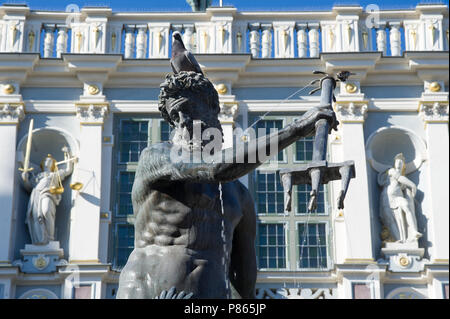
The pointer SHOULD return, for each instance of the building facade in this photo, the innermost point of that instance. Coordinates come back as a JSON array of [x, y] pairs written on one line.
[[89, 80]]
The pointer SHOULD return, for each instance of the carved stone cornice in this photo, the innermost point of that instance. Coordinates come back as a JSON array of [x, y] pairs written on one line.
[[228, 112], [433, 111], [11, 113], [351, 111], [91, 113]]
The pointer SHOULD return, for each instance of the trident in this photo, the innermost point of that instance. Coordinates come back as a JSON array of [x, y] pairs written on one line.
[[319, 171]]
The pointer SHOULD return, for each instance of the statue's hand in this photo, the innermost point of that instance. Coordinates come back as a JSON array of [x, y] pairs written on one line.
[[310, 118]]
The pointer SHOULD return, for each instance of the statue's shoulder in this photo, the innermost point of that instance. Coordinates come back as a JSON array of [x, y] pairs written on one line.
[[156, 150]]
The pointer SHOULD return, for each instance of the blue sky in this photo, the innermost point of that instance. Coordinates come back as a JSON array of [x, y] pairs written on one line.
[[246, 5]]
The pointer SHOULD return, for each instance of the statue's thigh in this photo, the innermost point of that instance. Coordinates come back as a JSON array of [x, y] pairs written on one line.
[[47, 207]]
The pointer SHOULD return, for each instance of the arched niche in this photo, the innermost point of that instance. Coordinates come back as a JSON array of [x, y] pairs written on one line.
[[385, 143], [46, 140]]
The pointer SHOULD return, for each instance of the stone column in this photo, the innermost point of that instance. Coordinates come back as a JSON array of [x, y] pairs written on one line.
[[266, 41], [381, 40], [141, 42], [435, 115], [61, 40], [10, 116], [129, 41], [395, 39], [254, 39], [49, 37], [85, 215], [313, 40], [302, 40], [357, 212]]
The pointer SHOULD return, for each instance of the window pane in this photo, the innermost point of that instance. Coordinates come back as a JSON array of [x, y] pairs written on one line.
[[133, 138], [303, 149], [312, 246], [166, 129], [124, 243], [265, 127], [303, 196], [271, 253], [126, 180], [269, 193]]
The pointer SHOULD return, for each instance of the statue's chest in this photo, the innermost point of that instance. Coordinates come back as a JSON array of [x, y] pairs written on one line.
[[202, 196]]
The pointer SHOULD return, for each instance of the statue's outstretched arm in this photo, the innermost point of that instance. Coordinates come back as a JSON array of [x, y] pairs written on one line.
[[156, 163]]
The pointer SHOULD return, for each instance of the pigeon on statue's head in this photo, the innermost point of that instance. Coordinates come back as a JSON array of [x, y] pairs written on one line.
[[182, 59]]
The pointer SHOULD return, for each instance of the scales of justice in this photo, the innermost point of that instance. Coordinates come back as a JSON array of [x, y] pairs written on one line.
[[46, 189]]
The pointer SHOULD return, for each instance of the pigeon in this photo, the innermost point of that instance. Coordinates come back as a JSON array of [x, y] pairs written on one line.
[[182, 59]]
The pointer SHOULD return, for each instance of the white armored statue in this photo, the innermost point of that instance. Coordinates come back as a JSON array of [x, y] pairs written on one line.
[[46, 189], [397, 210]]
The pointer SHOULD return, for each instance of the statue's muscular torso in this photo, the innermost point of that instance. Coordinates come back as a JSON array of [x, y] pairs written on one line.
[[178, 239]]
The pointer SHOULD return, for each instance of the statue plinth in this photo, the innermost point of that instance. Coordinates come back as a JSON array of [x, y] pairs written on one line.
[[404, 257], [41, 258]]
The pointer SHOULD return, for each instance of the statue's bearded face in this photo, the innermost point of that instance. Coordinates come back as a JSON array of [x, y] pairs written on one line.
[[189, 107]]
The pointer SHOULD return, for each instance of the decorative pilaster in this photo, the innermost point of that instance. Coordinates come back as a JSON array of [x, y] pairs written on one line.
[[85, 215], [284, 39], [356, 241], [228, 112], [352, 112], [159, 40], [435, 116], [10, 116]]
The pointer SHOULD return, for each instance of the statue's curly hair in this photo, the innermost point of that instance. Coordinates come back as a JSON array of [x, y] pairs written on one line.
[[176, 83]]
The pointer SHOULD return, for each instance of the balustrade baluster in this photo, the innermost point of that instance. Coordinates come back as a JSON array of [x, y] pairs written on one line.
[[129, 41], [49, 40]]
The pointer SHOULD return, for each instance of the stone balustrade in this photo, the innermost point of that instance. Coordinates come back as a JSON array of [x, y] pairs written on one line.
[[301, 34]]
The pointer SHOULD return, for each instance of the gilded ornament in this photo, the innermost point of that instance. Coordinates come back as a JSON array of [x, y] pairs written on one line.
[[79, 39], [351, 88], [365, 37], [435, 87], [433, 33], [239, 40], [331, 38], [9, 89], [40, 263], [349, 32], [285, 37], [113, 41], [205, 40], [222, 88], [13, 35], [414, 36], [159, 38], [31, 37], [96, 31], [404, 261], [93, 89]]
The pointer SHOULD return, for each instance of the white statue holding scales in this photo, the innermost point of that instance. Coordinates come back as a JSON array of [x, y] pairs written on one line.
[[46, 189]]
